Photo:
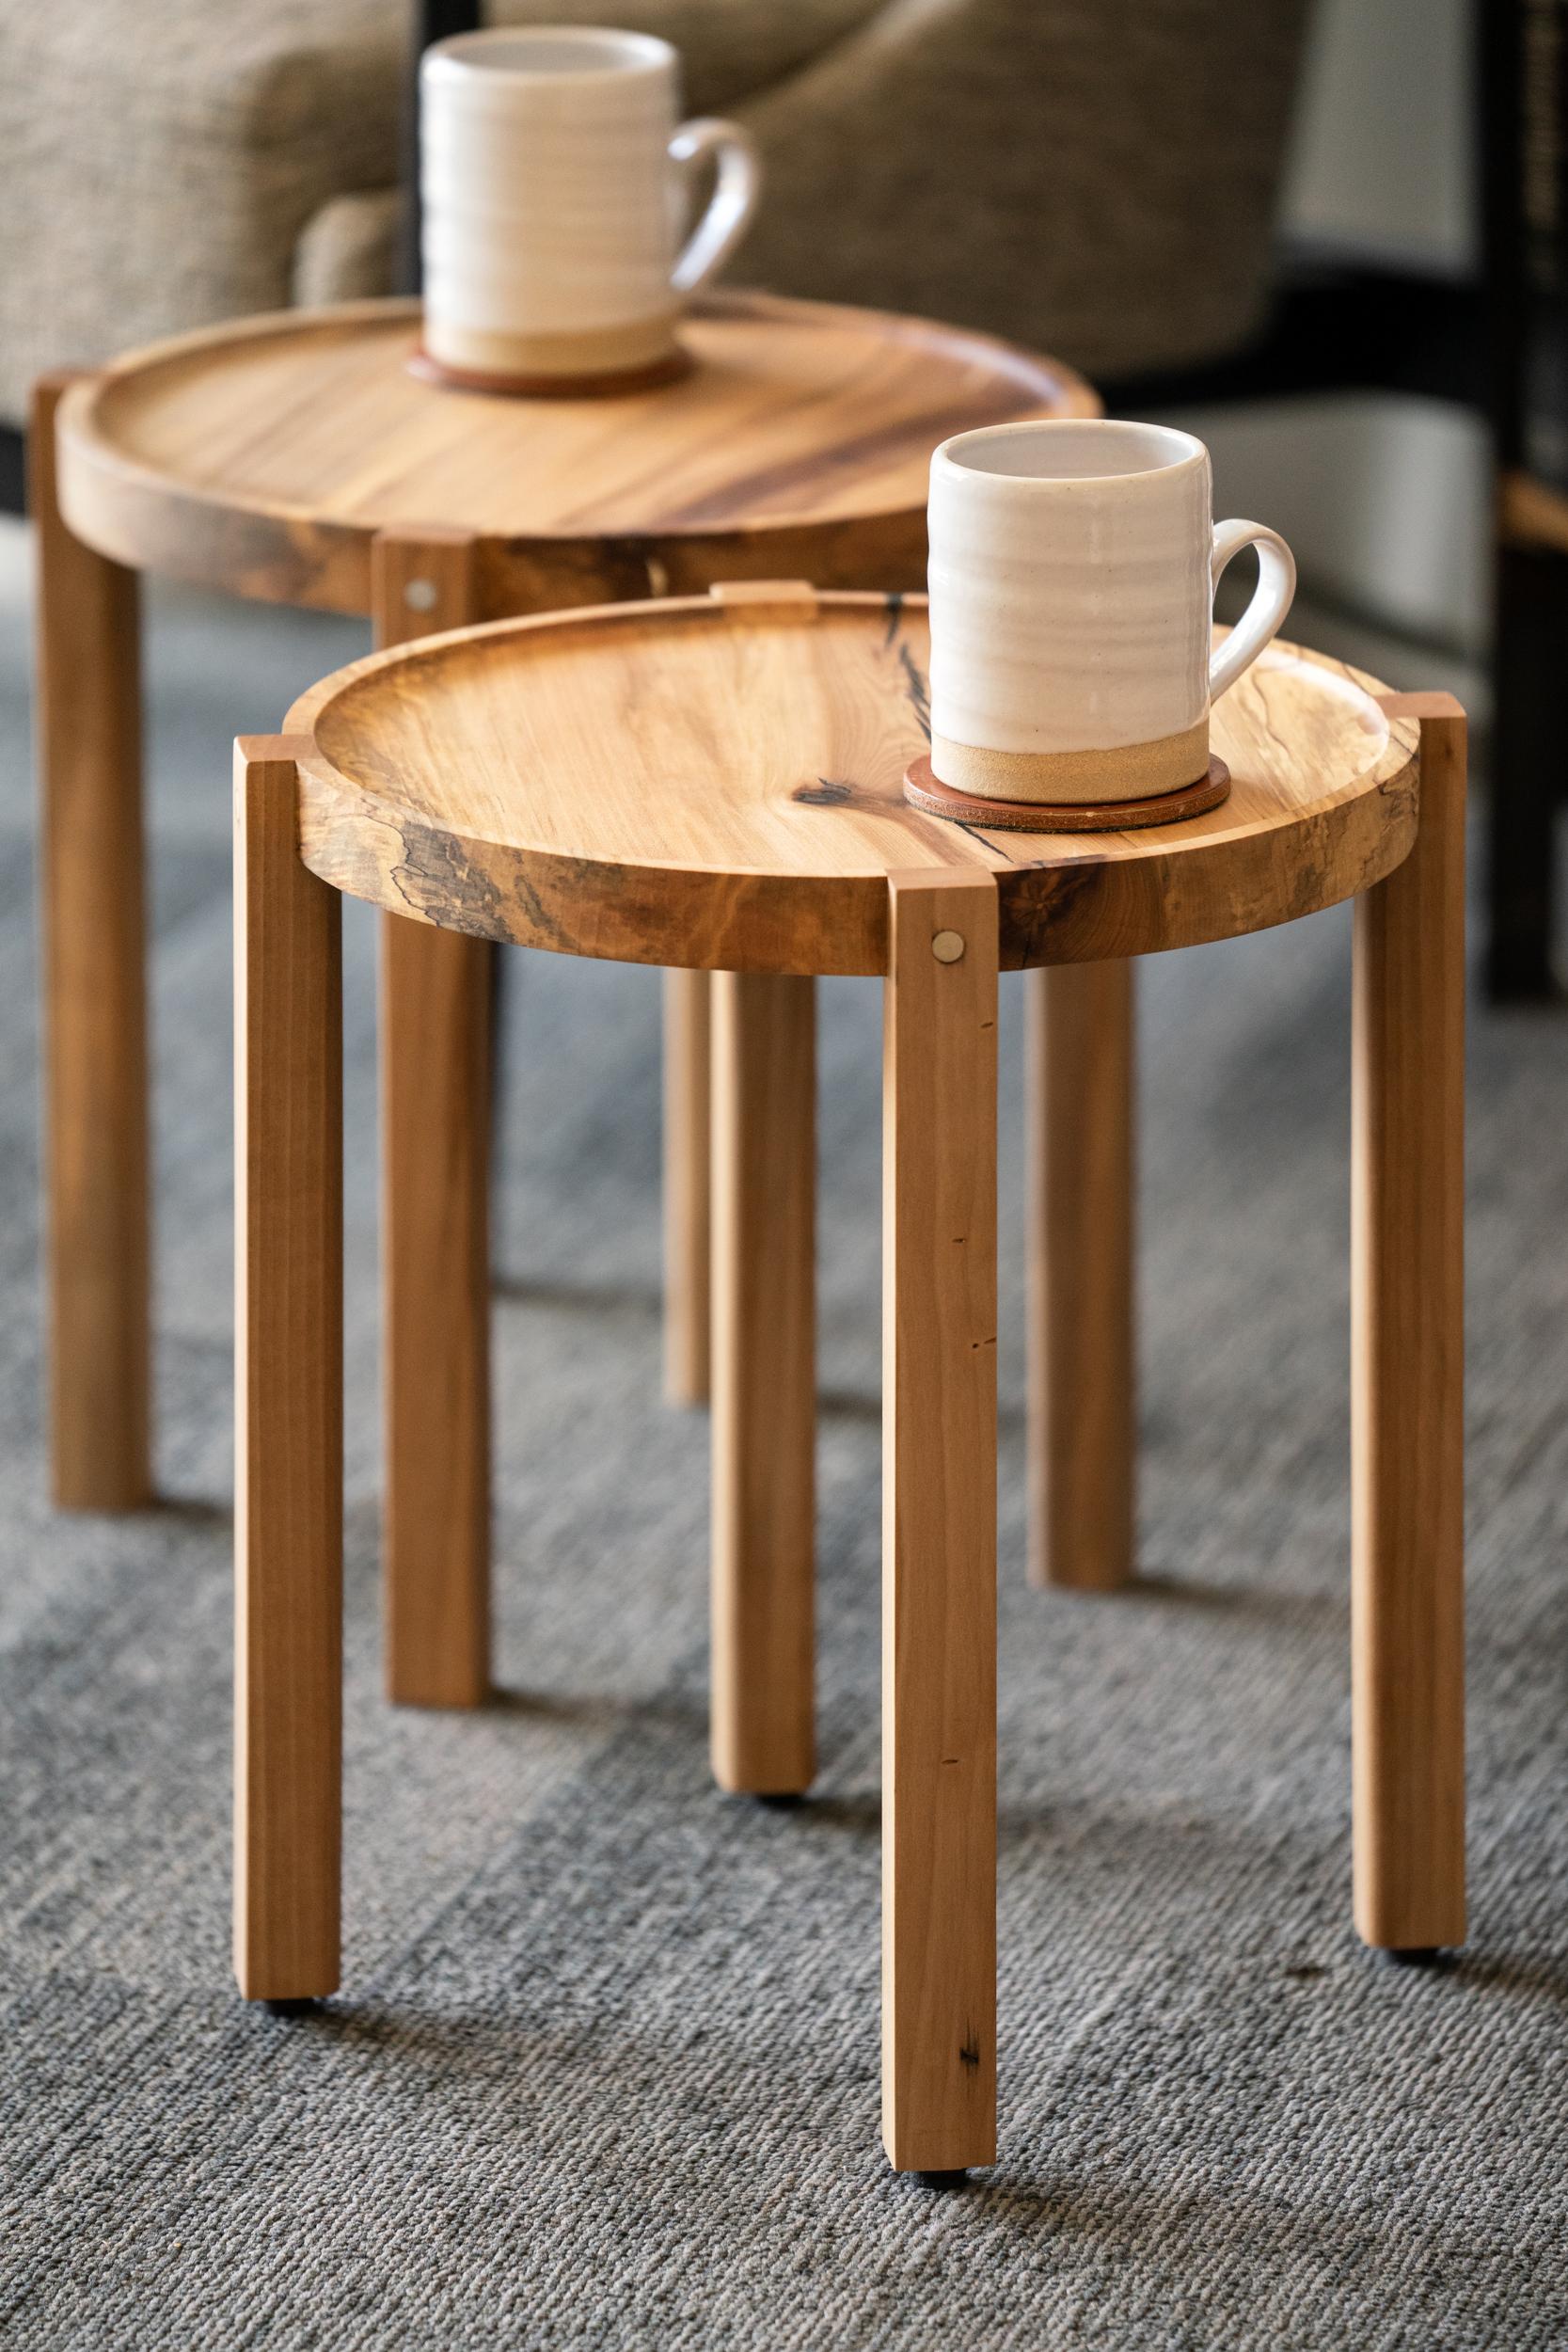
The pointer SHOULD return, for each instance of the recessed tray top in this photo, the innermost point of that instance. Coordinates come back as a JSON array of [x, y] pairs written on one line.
[[719, 782], [309, 429]]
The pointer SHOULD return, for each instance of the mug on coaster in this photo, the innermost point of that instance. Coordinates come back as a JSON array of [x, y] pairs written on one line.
[[551, 176], [1072, 571]]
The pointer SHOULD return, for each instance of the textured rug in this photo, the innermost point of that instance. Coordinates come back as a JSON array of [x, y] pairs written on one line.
[[604, 2067]]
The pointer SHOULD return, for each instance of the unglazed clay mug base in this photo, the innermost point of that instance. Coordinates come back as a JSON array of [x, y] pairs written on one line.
[[551, 181], [610, 351], [1072, 570]]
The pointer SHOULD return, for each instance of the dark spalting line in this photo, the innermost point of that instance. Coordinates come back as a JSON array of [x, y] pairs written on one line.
[[895, 617], [1028, 920], [439, 878], [998, 849], [917, 691], [969, 2051], [826, 793]]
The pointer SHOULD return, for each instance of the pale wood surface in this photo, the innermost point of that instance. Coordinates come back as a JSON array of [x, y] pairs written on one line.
[[1082, 1416], [939, 1525], [721, 785], [265, 456], [94, 1004], [687, 1299], [289, 1394], [763, 1381], [435, 1225], [1408, 1367]]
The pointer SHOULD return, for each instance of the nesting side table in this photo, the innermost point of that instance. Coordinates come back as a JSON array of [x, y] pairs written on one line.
[[715, 785], [295, 459]]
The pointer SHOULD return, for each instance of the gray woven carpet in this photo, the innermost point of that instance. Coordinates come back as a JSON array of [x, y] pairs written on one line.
[[603, 2068]]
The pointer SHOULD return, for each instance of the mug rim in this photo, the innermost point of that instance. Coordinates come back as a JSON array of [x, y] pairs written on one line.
[[625, 55], [1187, 452]]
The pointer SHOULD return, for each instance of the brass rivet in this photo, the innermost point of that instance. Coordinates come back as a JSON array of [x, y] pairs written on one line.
[[948, 946], [419, 595]]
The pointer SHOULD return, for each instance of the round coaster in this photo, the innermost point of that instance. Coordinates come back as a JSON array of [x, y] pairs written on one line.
[[924, 791], [646, 378]]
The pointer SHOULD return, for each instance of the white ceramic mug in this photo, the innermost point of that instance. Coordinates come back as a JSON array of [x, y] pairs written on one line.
[[1072, 571], [551, 176]]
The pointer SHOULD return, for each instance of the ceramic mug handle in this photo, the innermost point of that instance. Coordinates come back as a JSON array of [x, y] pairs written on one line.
[[734, 197], [1271, 599]]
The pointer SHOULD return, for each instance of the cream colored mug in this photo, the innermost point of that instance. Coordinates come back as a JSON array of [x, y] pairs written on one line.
[[1072, 571], [551, 176]]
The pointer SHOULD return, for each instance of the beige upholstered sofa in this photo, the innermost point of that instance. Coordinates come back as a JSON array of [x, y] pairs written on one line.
[[1094, 176]]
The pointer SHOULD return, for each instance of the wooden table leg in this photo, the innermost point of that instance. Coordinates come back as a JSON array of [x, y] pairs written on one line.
[[686, 1240], [938, 1523], [1082, 1416], [764, 1382], [94, 1004], [1408, 1367], [436, 1011], [289, 1392]]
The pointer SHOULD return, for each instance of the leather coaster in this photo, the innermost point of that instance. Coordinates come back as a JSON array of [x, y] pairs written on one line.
[[924, 791], [604, 386]]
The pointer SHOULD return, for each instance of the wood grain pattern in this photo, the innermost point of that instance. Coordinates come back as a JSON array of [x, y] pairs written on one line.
[[435, 1235], [97, 1242], [688, 1297], [939, 1525], [764, 1382], [1407, 1366], [663, 784], [265, 456], [289, 1392], [1081, 1181]]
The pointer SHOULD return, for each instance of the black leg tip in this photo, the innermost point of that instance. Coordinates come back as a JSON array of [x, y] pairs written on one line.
[[304, 2007], [782, 1800], [1415, 1956], [957, 2179]]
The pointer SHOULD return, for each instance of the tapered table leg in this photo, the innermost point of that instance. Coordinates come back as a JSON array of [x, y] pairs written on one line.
[[686, 1240], [1407, 1368], [289, 1387], [938, 1524], [436, 1012], [764, 1382], [94, 1004], [1082, 1416]]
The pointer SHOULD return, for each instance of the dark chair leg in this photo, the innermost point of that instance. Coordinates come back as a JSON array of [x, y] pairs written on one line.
[[1529, 772]]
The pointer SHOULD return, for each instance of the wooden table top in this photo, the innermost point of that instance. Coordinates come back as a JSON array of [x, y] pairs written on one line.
[[717, 783], [266, 455]]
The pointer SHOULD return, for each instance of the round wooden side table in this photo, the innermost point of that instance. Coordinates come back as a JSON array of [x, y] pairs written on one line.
[[296, 458], [715, 783]]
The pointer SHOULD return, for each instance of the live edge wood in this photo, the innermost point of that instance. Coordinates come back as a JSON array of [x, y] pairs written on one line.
[[938, 1523], [1407, 1365], [1082, 1416], [94, 1004], [435, 1225], [755, 806], [763, 1381], [288, 1375]]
